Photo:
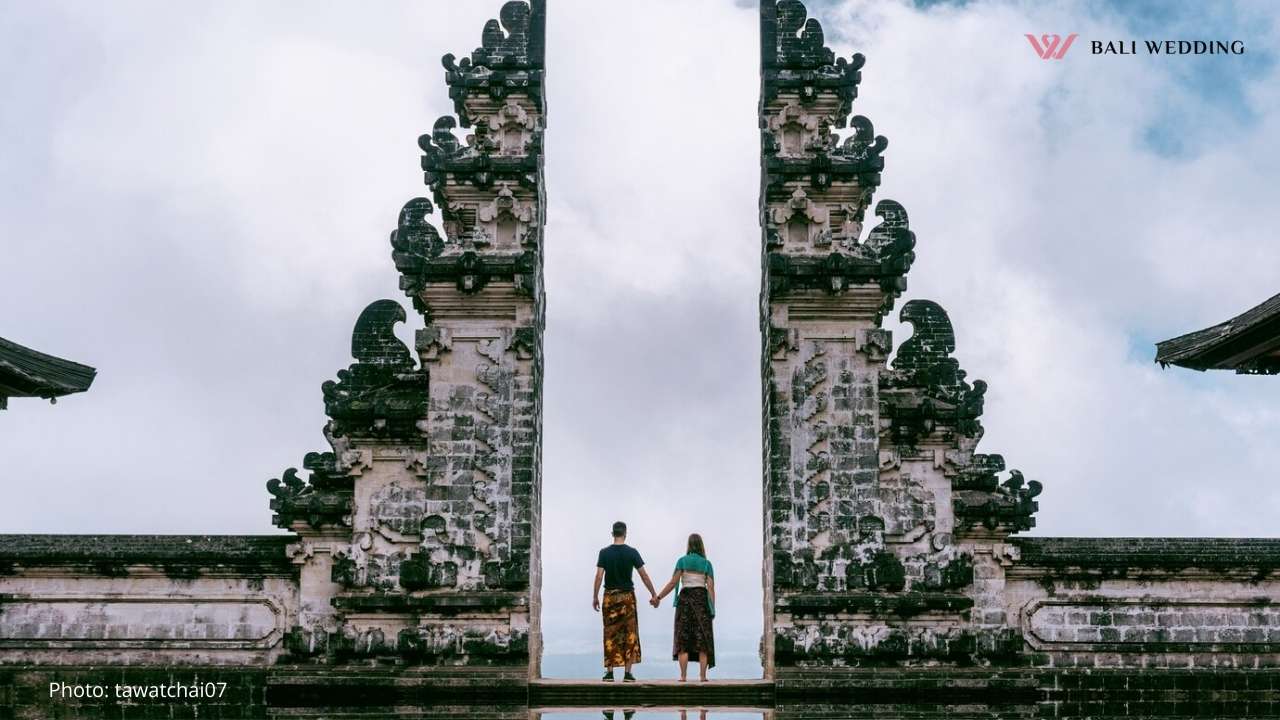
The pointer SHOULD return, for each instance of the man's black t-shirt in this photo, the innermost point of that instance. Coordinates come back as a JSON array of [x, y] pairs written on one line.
[[618, 561]]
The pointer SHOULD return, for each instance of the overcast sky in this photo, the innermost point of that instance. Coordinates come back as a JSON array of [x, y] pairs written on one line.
[[197, 197]]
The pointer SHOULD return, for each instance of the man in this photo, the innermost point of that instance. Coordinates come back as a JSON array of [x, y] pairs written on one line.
[[621, 625]]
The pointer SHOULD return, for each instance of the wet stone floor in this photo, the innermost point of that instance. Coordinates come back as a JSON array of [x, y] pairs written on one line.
[[1098, 709]]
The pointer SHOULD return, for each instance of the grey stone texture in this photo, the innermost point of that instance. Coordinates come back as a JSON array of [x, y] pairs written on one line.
[[439, 446], [414, 537], [887, 535], [131, 600]]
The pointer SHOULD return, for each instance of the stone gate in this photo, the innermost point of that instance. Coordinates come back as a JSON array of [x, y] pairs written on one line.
[[889, 539], [412, 557], [414, 537], [418, 532]]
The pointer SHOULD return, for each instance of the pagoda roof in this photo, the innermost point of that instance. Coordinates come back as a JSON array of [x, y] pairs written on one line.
[[1248, 343], [28, 373]]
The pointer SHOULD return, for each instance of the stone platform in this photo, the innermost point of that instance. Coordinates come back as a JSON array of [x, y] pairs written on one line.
[[738, 695]]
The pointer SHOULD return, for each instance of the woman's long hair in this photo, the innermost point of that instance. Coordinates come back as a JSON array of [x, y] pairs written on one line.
[[696, 547]]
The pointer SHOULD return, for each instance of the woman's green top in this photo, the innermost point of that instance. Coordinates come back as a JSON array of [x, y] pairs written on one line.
[[694, 562]]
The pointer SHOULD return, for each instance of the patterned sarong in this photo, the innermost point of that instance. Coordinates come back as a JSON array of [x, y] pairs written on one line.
[[621, 629], [693, 633]]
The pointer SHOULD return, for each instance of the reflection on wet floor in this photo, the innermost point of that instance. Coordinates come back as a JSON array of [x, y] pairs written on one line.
[[694, 714], [1187, 707]]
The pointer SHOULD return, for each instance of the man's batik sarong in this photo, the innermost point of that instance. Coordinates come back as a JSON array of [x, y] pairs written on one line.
[[621, 628]]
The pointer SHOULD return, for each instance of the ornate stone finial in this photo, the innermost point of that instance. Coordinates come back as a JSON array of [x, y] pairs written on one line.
[[926, 391], [477, 163], [926, 359], [932, 340], [884, 257], [800, 41], [980, 499], [439, 147], [891, 244], [925, 396], [504, 43], [797, 62], [381, 394], [863, 147], [819, 161], [374, 342], [414, 243], [324, 500], [510, 58]]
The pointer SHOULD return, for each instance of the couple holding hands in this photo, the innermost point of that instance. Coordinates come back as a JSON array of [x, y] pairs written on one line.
[[694, 584]]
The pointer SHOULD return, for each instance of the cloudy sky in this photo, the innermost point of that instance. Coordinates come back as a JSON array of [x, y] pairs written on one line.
[[196, 200]]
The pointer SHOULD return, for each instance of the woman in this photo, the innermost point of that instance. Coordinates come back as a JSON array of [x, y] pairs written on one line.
[[695, 609]]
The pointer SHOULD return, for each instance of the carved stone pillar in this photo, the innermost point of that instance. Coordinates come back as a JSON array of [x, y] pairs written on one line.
[[427, 514], [867, 468]]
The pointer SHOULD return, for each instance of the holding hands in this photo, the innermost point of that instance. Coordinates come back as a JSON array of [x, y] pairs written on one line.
[[653, 600]]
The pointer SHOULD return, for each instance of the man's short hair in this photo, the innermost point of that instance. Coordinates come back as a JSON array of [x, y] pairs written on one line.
[[619, 529]]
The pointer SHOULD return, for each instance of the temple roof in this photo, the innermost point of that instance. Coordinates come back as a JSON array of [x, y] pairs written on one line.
[[27, 373], [1248, 343]]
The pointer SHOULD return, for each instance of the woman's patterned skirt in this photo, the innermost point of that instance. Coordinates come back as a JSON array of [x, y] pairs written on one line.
[[621, 629], [693, 634]]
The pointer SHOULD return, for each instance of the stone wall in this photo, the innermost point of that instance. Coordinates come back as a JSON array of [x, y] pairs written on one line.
[[158, 600], [1146, 602]]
